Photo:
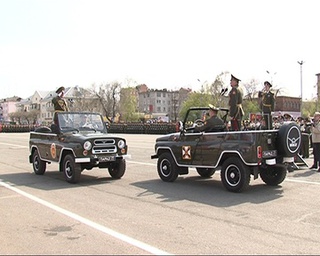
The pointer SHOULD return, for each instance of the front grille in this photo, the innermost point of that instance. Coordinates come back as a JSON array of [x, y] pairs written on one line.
[[103, 146]]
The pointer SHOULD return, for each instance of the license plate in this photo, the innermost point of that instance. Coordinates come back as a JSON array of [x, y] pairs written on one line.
[[106, 158]]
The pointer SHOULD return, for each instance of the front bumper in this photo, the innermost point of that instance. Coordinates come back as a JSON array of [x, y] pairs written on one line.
[[100, 158]]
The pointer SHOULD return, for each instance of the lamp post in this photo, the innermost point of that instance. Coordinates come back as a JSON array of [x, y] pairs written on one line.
[[301, 63]]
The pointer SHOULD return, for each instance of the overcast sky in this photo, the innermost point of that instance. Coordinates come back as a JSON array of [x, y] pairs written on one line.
[[169, 44]]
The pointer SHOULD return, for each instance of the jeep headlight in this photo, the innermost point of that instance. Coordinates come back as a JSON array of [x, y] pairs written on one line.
[[87, 145], [121, 144]]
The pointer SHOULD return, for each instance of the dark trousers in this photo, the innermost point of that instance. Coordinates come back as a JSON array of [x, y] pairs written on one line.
[[304, 149], [235, 124], [267, 120], [316, 153]]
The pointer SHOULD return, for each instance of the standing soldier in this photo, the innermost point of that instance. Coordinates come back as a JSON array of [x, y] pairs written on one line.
[[267, 104], [59, 103], [235, 103]]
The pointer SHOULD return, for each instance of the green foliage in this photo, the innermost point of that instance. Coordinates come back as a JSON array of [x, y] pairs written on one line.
[[128, 105], [195, 99], [250, 106], [308, 108]]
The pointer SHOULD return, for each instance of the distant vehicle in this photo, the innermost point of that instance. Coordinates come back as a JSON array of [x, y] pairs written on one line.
[[77, 141], [238, 154]]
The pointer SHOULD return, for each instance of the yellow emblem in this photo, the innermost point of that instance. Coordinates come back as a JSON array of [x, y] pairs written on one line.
[[53, 150]]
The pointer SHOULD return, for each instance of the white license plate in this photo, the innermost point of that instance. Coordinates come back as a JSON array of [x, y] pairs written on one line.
[[106, 158]]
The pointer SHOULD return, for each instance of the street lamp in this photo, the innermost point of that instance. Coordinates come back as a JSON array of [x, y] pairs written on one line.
[[301, 63]]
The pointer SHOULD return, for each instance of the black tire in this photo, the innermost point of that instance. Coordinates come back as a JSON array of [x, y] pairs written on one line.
[[235, 176], [273, 175], [118, 169], [289, 139], [71, 170], [167, 168], [39, 166], [206, 172]]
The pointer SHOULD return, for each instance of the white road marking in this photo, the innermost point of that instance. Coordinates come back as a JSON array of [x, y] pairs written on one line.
[[108, 231], [134, 162], [13, 145], [303, 181]]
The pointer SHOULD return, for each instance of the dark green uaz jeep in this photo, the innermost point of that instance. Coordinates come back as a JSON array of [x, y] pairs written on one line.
[[238, 154], [77, 141]]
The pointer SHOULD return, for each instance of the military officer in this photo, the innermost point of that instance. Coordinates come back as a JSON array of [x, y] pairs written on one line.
[[235, 103], [59, 103], [214, 123], [267, 104]]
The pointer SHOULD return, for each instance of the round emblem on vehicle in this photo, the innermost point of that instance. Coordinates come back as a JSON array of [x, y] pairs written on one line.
[[289, 139], [293, 139], [53, 150]]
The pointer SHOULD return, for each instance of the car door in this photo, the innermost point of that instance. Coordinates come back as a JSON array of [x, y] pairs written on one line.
[[210, 147], [185, 149]]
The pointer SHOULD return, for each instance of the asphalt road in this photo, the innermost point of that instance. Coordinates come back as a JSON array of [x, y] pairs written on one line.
[[140, 214]]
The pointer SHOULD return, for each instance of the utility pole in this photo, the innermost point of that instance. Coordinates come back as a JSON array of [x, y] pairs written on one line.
[[301, 63]]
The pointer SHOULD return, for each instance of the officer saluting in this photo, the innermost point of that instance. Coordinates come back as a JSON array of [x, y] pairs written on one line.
[[59, 103], [267, 104], [235, 103]]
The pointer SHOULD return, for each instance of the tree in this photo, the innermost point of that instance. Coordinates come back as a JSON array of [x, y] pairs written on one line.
[[108, 96], [195, 99], [218, 90], [128, 104], [250, 102]]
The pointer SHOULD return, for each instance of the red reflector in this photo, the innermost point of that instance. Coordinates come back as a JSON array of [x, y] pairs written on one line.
[[259, 152]]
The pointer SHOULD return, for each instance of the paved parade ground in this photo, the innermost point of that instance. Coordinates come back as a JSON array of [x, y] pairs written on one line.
[[140, 214]]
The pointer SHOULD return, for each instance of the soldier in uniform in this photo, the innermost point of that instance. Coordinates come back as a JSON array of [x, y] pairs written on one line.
[[235, 103], [267, 104], [214, 123], [59, 103]]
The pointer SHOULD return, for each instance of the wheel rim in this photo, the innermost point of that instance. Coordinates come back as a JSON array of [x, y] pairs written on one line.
[[68, 169], [165, 168], [233, 175], [36, 162]]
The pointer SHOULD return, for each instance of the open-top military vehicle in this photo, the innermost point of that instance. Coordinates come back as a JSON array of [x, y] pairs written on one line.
[[77, 141], [238, 154]]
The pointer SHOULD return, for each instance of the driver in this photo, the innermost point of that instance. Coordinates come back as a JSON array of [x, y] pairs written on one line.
[[214, 123]]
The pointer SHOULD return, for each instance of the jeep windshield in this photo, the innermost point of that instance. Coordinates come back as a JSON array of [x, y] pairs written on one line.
[[80, 122], [198, 115]]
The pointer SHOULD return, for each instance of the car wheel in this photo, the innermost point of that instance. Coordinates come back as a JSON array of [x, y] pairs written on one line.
[[289, 139], [71, 170], [39, 166], [167, 168], [235, 176], [206, 172], [117, 169], [273, 175]]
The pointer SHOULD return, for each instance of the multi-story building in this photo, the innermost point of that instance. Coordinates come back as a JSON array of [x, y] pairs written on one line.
[[287, 105], [8, 106], [161, 103]]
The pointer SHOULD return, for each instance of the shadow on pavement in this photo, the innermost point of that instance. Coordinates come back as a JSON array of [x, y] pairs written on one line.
[[207, 191]]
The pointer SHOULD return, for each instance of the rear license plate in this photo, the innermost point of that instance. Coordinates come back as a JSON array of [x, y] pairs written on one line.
[[106, 158]]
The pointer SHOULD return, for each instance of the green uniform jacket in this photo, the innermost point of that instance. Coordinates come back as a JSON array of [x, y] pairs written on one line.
[[267, 102], [212, 124], [59, 104], [235, 103]]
